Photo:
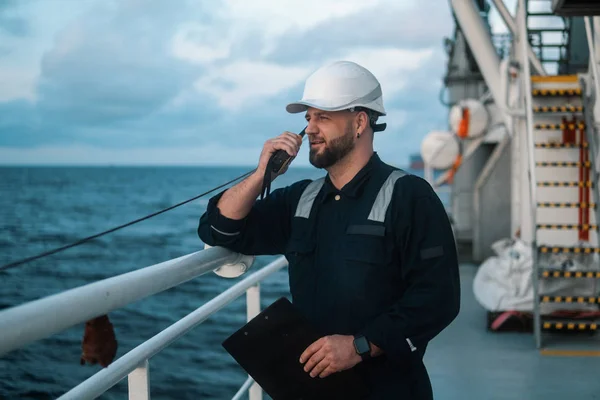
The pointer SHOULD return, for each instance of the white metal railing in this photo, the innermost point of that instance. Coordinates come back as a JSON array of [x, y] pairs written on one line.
[[245, 387], [42, 318], [526, 76]]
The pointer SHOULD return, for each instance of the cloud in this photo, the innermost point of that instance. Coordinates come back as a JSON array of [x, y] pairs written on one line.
[[11, 22], [246, 82], [200, 44], [155, 81], [110, 69], [393, 67], [394, 24], [277, 17]]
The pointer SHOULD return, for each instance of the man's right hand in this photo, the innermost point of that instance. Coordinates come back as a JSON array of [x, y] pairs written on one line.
[[287, 141]]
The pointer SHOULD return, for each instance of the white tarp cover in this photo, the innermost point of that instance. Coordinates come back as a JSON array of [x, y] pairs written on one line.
[[504, 282]]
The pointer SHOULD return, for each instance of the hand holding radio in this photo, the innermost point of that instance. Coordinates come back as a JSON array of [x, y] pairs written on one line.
[[276, 156]]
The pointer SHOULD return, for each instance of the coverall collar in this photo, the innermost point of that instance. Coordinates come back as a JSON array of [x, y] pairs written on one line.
[[354, 187]]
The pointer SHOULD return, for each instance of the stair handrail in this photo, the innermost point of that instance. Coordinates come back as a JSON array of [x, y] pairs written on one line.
[[591, 37], [509, 21], [589, 102], [526, 76]]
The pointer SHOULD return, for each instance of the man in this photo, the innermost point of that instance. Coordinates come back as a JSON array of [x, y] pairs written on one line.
[[372, 257]]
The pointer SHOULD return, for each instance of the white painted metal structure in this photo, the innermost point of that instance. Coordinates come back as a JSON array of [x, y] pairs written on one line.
[[481, 43], [545, 170]]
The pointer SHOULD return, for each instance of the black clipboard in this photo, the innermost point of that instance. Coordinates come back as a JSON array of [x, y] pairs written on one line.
[[268, 348]]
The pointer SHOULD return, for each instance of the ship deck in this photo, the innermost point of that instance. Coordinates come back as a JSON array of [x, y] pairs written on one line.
[[467, 361]]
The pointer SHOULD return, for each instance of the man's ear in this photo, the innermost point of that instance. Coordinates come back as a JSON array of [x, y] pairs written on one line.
[[362, 122]]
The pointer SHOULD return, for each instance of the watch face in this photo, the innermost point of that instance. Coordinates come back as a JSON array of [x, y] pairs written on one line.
[[362, 345]]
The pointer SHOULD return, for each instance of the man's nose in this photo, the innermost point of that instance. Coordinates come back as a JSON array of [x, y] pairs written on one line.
[[311, 128]]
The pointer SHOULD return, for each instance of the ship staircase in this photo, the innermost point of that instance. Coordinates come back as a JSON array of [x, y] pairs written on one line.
[[566, 210], [564, 191], [548, 106]]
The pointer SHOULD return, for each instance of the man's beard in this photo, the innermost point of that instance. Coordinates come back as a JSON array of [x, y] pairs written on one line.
[[334, 151]]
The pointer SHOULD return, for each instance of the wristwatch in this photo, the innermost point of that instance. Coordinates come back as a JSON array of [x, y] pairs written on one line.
[[362, 347]]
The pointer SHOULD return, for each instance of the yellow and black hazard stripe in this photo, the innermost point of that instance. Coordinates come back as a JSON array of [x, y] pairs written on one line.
[[561, 127], [570, 325], [583, 227], [570, 299], [586, 164], [571, 274], [572, 78], [567, 184], [566, 205], [547, 109], [556, 92], [569, 250], [560, 145]]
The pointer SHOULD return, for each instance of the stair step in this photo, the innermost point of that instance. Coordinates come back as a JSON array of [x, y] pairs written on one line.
[[551, 273], [589, 184], [586, 164], [570, 299], [564, 237], [552, 145], [564, 216], [557, 109], [561, 127], [559, 194], [567, 226], [569, 250], [571, 325], [566, 205], [556, 92], [542, 14], [558, 155], [541, 30], [554, 78], [550, 45]]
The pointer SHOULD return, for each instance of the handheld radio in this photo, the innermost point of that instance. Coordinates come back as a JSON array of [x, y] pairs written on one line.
[[277, 163]]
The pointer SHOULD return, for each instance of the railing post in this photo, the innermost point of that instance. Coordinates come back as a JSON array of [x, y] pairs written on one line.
[[253, 308], [139, 382]]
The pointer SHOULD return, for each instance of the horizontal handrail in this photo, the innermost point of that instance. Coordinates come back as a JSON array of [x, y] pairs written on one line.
[[39, 319], [511, 24], [103, 380]]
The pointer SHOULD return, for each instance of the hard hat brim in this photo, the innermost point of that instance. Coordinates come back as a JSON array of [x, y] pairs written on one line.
[[302, 106]]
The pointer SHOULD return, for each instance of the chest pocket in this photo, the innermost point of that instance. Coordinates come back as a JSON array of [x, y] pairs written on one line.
[[365, 244]]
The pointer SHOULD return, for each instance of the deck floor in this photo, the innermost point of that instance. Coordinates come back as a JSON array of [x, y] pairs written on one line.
[[467, 362]]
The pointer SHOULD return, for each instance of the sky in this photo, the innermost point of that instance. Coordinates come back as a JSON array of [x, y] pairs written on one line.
[[156, 82]]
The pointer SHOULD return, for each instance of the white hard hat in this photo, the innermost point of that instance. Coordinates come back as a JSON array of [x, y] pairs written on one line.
[[340, 86]]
